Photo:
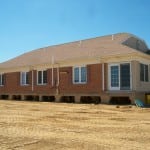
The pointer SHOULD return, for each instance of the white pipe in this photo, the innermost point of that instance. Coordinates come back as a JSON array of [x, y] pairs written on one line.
[[58, 75], [132, 80], [32, 81], [52, 76], [103, 79], [52, 71]]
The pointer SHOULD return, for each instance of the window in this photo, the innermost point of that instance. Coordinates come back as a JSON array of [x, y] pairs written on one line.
[[125, 76], [1, 79], [144, 73], [119, 76], [80, 74], [76, 75], [42, 77], [24, 78], [114, 76], [83, 74]]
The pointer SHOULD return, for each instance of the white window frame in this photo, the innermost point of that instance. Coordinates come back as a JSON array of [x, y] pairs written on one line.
[[80, 82], [109, 76], [1, 76], [21, 79], [144, 72], [42, 77], [110, 87]]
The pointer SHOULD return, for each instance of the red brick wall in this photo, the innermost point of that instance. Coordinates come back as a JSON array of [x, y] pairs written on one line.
[[12, 84], [93, 85], [94, 80], [44, 89], [106, 76], [66, 86]]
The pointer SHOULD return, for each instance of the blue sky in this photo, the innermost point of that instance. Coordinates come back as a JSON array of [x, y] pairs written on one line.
[[30, 24]]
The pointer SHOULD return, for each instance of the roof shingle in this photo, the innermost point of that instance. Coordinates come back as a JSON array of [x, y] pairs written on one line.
[[100, 46]]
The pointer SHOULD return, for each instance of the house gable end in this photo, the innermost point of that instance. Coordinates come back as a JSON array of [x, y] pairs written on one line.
[[136, 43]]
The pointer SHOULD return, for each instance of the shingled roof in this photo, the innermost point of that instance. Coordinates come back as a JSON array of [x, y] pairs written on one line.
[[101, 46]]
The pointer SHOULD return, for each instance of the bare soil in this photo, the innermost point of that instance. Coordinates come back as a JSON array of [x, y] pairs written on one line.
[[60, 126]]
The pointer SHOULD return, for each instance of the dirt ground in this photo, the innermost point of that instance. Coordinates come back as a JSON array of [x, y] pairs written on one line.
[[60, 126]]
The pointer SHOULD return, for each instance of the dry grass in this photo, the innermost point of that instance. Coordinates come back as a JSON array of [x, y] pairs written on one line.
[[58, 126]]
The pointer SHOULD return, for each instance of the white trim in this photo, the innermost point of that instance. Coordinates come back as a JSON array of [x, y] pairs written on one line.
[[21, 79], [109, 76], [57, 76], [131, 77], [32, 80], [41, 77], [149, 72], [52, 77], [103, 79], [37, 77], [110, 87], [137, 56], [79, 75], [145, 64], [1, 78], [52, 70]]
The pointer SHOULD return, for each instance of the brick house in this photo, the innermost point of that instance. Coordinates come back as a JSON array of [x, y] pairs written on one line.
[[108, 69]]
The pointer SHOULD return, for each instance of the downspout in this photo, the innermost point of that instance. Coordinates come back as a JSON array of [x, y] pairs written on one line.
[[103, 79], [32, 80], [131, 78], [57, 89], [58, 76], [52, 71]]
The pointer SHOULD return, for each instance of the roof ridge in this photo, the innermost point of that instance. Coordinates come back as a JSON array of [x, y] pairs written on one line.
[[81, 40]]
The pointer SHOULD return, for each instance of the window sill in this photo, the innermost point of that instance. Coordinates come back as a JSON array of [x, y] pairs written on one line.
[[42, 84], [24, 84], [115, 91], [76, 83], [145, 81]]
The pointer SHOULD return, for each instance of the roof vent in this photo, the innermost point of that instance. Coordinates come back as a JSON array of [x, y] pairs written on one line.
[[112, 37], [80, 42]]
